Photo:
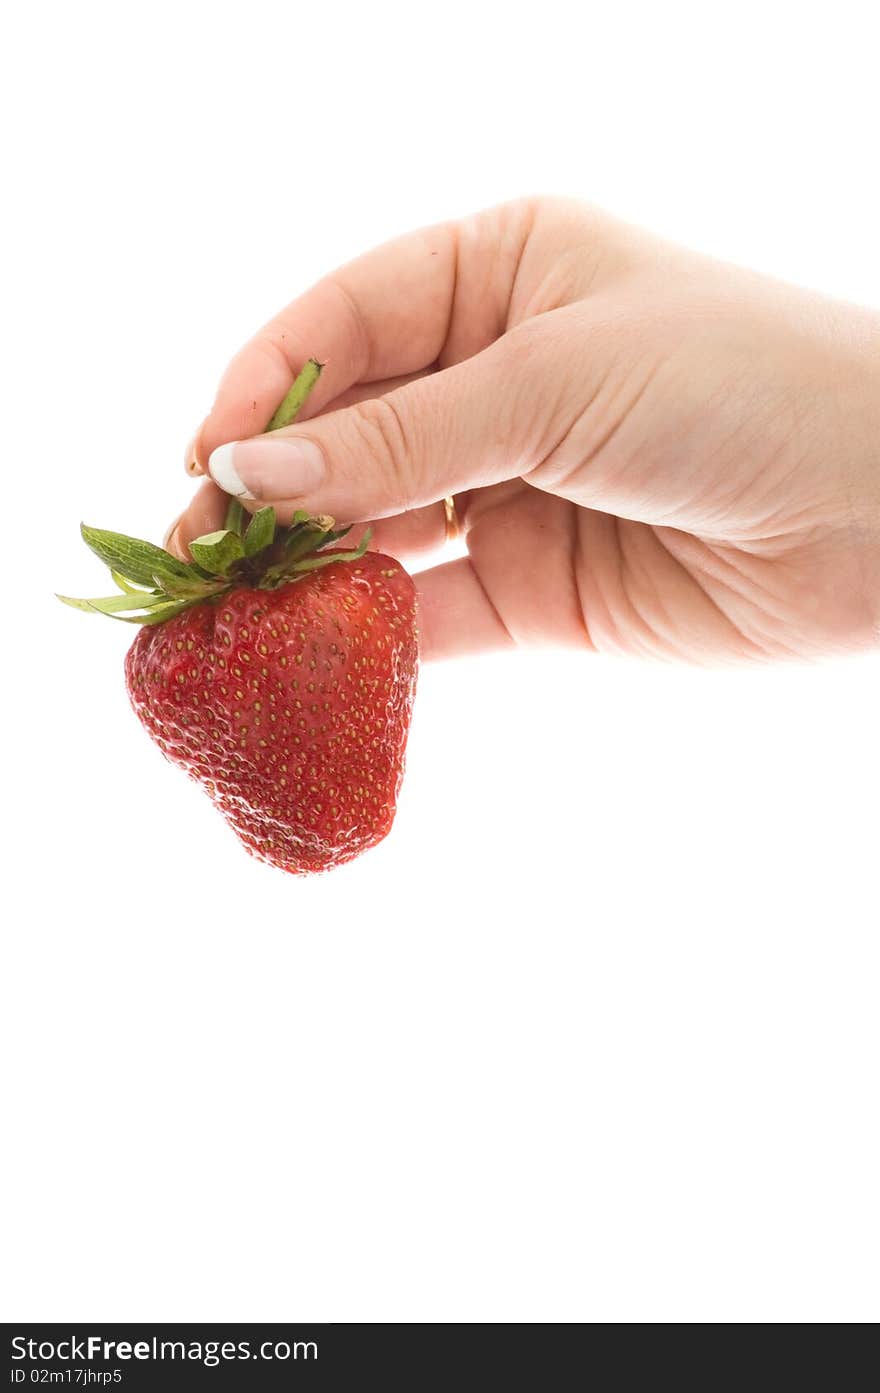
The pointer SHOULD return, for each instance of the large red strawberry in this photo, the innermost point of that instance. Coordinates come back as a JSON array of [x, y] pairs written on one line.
[[278, 674]]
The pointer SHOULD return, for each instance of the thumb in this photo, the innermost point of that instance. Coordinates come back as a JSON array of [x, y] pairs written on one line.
[[459, 428]]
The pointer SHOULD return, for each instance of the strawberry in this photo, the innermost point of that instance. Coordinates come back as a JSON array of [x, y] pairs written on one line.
[[279, 675]]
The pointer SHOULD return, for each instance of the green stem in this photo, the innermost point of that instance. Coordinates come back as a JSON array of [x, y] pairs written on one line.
[[296, 397], [235, 517]]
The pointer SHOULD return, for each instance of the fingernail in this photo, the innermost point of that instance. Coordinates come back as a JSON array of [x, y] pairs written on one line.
[[171, 531], [174, 544], [191, 463], [267, 468]]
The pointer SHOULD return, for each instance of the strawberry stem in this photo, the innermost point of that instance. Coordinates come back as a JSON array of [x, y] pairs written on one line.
[[235, 518], [293, 403], [297, 396]]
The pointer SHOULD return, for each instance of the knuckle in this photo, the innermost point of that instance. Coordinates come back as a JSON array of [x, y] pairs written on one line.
[[545, 389], [386, 439], [279, 347], [346, 302]]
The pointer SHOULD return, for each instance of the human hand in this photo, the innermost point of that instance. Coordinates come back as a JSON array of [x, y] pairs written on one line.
[[651, 452]]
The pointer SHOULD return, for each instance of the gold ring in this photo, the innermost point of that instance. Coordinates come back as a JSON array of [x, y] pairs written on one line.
[[453, 526]]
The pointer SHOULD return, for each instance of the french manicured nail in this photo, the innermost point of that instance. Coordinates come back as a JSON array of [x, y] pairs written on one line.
[[191, 463], [171, 531], [267, 468]]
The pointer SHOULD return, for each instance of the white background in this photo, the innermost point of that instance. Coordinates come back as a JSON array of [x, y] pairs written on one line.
[[594, 1034]]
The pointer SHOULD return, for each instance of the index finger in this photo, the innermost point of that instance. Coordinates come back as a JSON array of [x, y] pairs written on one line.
[[381, 316], [390, 312]]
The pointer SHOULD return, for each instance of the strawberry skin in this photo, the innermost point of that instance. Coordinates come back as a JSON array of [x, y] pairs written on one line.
[[291, 707]]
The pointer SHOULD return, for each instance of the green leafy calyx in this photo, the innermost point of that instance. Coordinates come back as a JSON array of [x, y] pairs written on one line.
[[249, 550]]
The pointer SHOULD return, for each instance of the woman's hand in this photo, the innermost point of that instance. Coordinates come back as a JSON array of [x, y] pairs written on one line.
[[652, 452]]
